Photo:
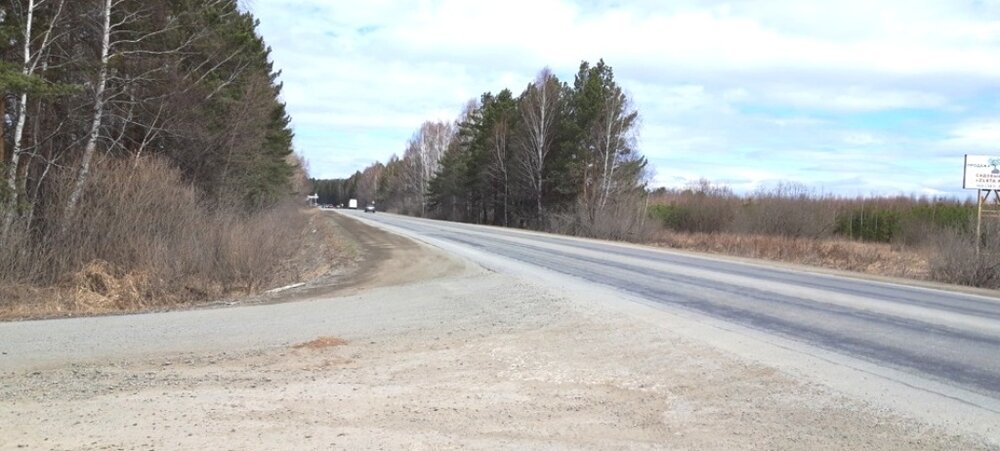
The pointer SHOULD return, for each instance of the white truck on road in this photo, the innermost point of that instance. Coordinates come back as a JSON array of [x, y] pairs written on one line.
[[352, 204]]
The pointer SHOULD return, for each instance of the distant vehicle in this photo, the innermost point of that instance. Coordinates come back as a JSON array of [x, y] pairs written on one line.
[[352, 204], [370, 208]]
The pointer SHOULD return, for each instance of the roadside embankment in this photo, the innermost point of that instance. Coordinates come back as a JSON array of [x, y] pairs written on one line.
[[145, 240]]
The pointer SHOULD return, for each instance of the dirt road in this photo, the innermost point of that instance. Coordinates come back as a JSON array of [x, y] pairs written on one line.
[[433, 353]]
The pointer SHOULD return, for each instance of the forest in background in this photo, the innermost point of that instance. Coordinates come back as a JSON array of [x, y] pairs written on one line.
[[556, 157], [143, 138], [563, 158]]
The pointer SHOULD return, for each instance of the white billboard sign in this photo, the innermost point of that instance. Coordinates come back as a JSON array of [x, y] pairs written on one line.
[[982, 172]]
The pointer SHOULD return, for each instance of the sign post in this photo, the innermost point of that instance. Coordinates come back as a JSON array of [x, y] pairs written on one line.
[[982, 173]]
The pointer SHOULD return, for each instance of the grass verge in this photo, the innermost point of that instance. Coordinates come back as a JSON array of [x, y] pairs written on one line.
[[840, 254]]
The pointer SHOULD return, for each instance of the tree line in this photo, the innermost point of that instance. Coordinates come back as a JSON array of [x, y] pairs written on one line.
[[556, 156], [88, 81]]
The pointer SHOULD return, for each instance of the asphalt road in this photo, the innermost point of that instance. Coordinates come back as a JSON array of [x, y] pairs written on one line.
[[945, 336]]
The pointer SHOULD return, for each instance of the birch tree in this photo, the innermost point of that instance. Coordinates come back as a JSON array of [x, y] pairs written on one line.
[[128, 42], [569, 155], [98, 110], [606, 123], [612, 134], [423, 157], [411, 179], [369, 181], [108, 106], [615, 144], [32, 59], [539, 108]]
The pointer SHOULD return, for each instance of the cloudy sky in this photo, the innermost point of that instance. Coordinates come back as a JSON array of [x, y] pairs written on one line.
[[849, 97]]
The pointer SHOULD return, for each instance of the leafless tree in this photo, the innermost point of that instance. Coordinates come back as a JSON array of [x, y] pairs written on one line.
[[540, 105], [615, 143], [98, 112], [32, 59], [119, 40], [611, 168], [369, 182], [499, 146], [423, 158]]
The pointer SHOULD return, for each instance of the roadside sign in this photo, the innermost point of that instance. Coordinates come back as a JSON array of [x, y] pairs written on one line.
[[981, 172]]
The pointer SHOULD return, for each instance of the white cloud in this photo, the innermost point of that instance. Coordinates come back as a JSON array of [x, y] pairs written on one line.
[[978, 135], [861, 139], [853, 98], [760, 84]]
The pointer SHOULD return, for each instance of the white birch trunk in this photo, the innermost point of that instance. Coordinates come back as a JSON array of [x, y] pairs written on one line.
[[95, 124], [500, 154], [22, 118], [612, 139], [538, 113]]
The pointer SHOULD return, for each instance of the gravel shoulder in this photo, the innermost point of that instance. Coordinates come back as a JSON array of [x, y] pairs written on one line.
[[430, 352]]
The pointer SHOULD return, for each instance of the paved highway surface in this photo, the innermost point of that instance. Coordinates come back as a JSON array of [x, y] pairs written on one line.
[[945, 336]]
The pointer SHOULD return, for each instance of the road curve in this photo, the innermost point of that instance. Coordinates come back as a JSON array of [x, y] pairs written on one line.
[[945, 336]]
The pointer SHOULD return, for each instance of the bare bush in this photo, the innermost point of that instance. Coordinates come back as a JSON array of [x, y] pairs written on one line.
[[787, 209], [955, 259], [703, 207], [623, 220], [792, 210], [140, 226]]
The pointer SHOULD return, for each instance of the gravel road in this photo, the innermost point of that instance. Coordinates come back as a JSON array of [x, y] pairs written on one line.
[[454, 346]]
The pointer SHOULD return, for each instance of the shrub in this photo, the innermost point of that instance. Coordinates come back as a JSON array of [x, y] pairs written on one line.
[[955, 260], [622, 220], [671, 216], [786, 210], [139, 221]]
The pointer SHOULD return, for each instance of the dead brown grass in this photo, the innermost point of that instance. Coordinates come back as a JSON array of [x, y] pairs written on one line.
[[144, 240], [870, 258], [321, 343], [625, 219], [955, 259]]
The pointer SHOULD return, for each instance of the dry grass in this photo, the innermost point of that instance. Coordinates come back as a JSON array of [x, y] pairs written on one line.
[[625, 219], [955, 260], [871, 258], [321, 343], [144, 240], [897, 236]]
